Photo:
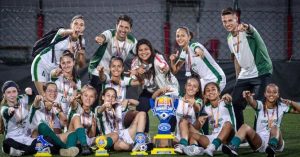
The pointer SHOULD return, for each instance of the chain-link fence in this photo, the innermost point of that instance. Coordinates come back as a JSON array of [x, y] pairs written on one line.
[[18, 24]]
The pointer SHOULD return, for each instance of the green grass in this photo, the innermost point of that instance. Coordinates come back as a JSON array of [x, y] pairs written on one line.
[[290, 129]]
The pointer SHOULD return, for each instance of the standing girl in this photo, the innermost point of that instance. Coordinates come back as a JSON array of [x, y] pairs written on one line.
[[48, 59], [267, 136], [196, 59], [15, 112]]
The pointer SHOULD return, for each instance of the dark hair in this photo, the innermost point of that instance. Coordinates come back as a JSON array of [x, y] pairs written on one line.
[[68, 53], [187, 31], [47, 85], [228, 11], [212, 83], [8, 84], [125, 18], [195, 77], [77, 17], [277, 101], [115, 122]]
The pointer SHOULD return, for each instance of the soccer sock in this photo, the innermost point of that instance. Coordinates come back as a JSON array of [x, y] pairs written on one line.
[[236, 141], [217, 142], [183, 142], [81, 135], [45, 130], [110, 142], [71, 140], [273, 142]]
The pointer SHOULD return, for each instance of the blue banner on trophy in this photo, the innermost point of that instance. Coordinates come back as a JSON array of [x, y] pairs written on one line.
[[140, 140], [164, 108], [42, 147]]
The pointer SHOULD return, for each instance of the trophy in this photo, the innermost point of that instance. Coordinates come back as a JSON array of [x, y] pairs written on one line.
[[164, 107], [140, 139], [101, 143], [42, 147]]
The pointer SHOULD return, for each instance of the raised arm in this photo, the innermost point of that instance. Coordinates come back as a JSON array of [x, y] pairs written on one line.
[[295, 106], [102, 76], [161, 91], [37, 100], [249, 98], [175, 67]]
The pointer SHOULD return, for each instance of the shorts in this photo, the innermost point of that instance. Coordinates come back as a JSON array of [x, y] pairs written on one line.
[[125, 136], [40, 72], [265, 136]]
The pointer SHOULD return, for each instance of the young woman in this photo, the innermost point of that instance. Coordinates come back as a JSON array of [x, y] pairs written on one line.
[[221, 118], [110, 114], [44, 62], [66, 79], [82, 120], [116, 80], [196, 59], [267, 137], [15, 112], [46, 117], [153, 69], [188, 107]]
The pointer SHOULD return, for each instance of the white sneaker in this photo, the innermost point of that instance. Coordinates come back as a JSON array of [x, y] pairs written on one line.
[[178, 148], [15, 152], [210, 150], [136, 147], [193, 150], [243, 145], [72, 151]]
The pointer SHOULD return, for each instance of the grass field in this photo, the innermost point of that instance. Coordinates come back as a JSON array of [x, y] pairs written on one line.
[[290, 129]]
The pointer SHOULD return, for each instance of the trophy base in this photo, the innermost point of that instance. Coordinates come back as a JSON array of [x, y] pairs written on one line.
[[163, 151], [38, 154], [164, 136], [138, 153], [100, 152]]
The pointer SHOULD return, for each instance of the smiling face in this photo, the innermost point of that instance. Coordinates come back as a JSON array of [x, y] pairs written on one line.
[[67, 63], [109, 96], [123, 28], [230, 22], [116, 67], [211, 92], [191, 87], [51, 92], [272, 93], [144, 52], [88, 97], [182, 37], [11, 95]]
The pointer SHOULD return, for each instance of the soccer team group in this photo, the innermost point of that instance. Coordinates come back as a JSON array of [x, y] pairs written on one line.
[[70, 115]]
